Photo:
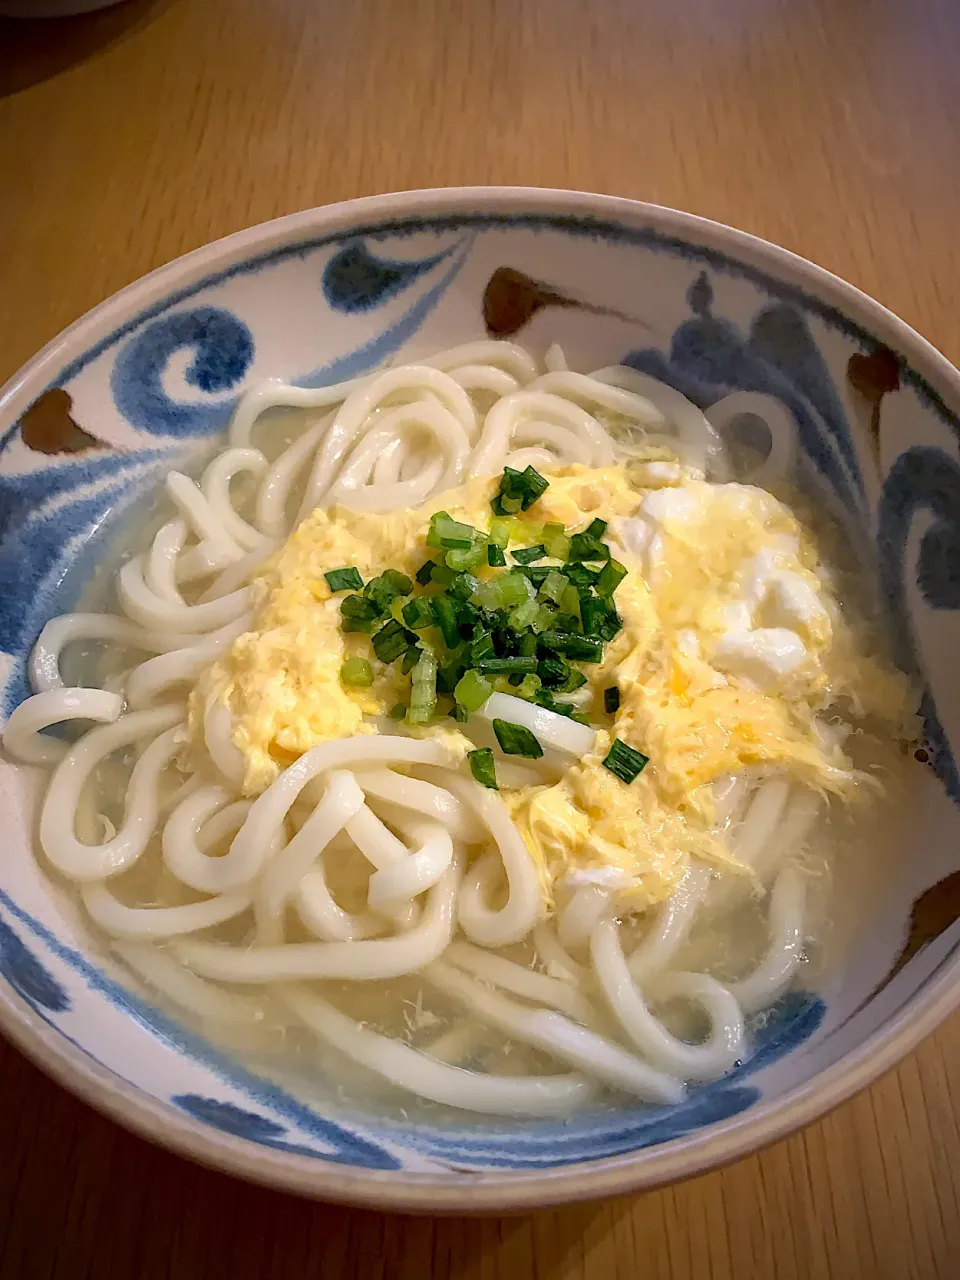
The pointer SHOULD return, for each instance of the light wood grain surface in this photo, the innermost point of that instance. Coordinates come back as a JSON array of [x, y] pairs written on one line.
[[128, 137]]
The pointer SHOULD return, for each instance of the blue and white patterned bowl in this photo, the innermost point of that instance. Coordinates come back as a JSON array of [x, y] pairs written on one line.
[[151, 376]]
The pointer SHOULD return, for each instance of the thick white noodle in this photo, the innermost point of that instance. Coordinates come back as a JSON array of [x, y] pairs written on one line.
[[152, 923], [44, 667], [702, 446], [205, 999], [549, 728], [533, 986], [525, 905], [23, 736], [215, 486], [393, 886], [557, 1035], [322, 915], [428, 1077], [238, 573], [145, 607], [58, 815], [273, 497], [508, 356], [670, 928], [341, 800], [434, 803], [707, 1061], [160, 565], [587, 391], [218, 739], [774, 973], [578, 917], [196, 509], [366, 961], [407, 381], [554, 359], [485, 378], [153, 677], [191, 828], [779, 421], [556, 960], [275, 394], [508, 413]]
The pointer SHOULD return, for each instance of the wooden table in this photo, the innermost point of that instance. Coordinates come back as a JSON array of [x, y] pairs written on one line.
[[128, 137]]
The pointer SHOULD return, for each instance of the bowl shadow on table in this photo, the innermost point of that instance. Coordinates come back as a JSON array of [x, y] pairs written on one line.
[[37, 49]]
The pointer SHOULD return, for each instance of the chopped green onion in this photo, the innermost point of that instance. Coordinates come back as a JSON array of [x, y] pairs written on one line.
[[392, 640], [599, 617], [508, 666], [583, 546], [537, 575], [418, 614], [611, 699], [472, 691], [423, 689], [397, 711], [552, 671], [528, 687], [524, 615], [483, 768], [545, 618], [390, 584], [575, 680], [448, 675], [554, 585], [347, 579], [518, 491], [449, 534], [527, 555], [580, 648], [463, 585], [468, 619], [624, 762], [596, 528], [357, 672], [570, 600], [528, 643], [611, 575], [515, 740], [425, 572], [410, 659], [580, 575], [556, 541], [495, 557], [479, 648], [359, 609], [514, 589], [445, 612], [500, 527], [443, 575], [360, 626], [468, 558]]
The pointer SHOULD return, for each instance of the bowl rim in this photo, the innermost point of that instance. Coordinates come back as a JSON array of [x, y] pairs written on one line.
[[493, 1190]]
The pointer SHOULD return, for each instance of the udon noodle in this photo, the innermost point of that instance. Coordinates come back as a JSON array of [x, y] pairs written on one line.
[[377, 860]]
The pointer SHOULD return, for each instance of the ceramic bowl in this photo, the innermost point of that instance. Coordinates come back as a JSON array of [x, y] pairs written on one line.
[[150, 376]]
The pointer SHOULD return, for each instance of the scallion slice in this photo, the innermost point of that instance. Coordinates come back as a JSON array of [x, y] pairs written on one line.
[[392, 640], [580, 648], [611, 575], [357, 673], [483, 768], [423, 689], [445, 612], [518, 665], [347, 579], [611, 699], [527, 555], [495, 557], [624, 762], [515, 740], [425, 572], [390, 584], [418, 613], [472, 691]]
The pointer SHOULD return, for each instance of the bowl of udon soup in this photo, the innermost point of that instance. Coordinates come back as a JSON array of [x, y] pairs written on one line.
[[478, 698]]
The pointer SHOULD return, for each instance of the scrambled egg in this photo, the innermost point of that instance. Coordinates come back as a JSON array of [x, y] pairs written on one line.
[[732, 651]]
